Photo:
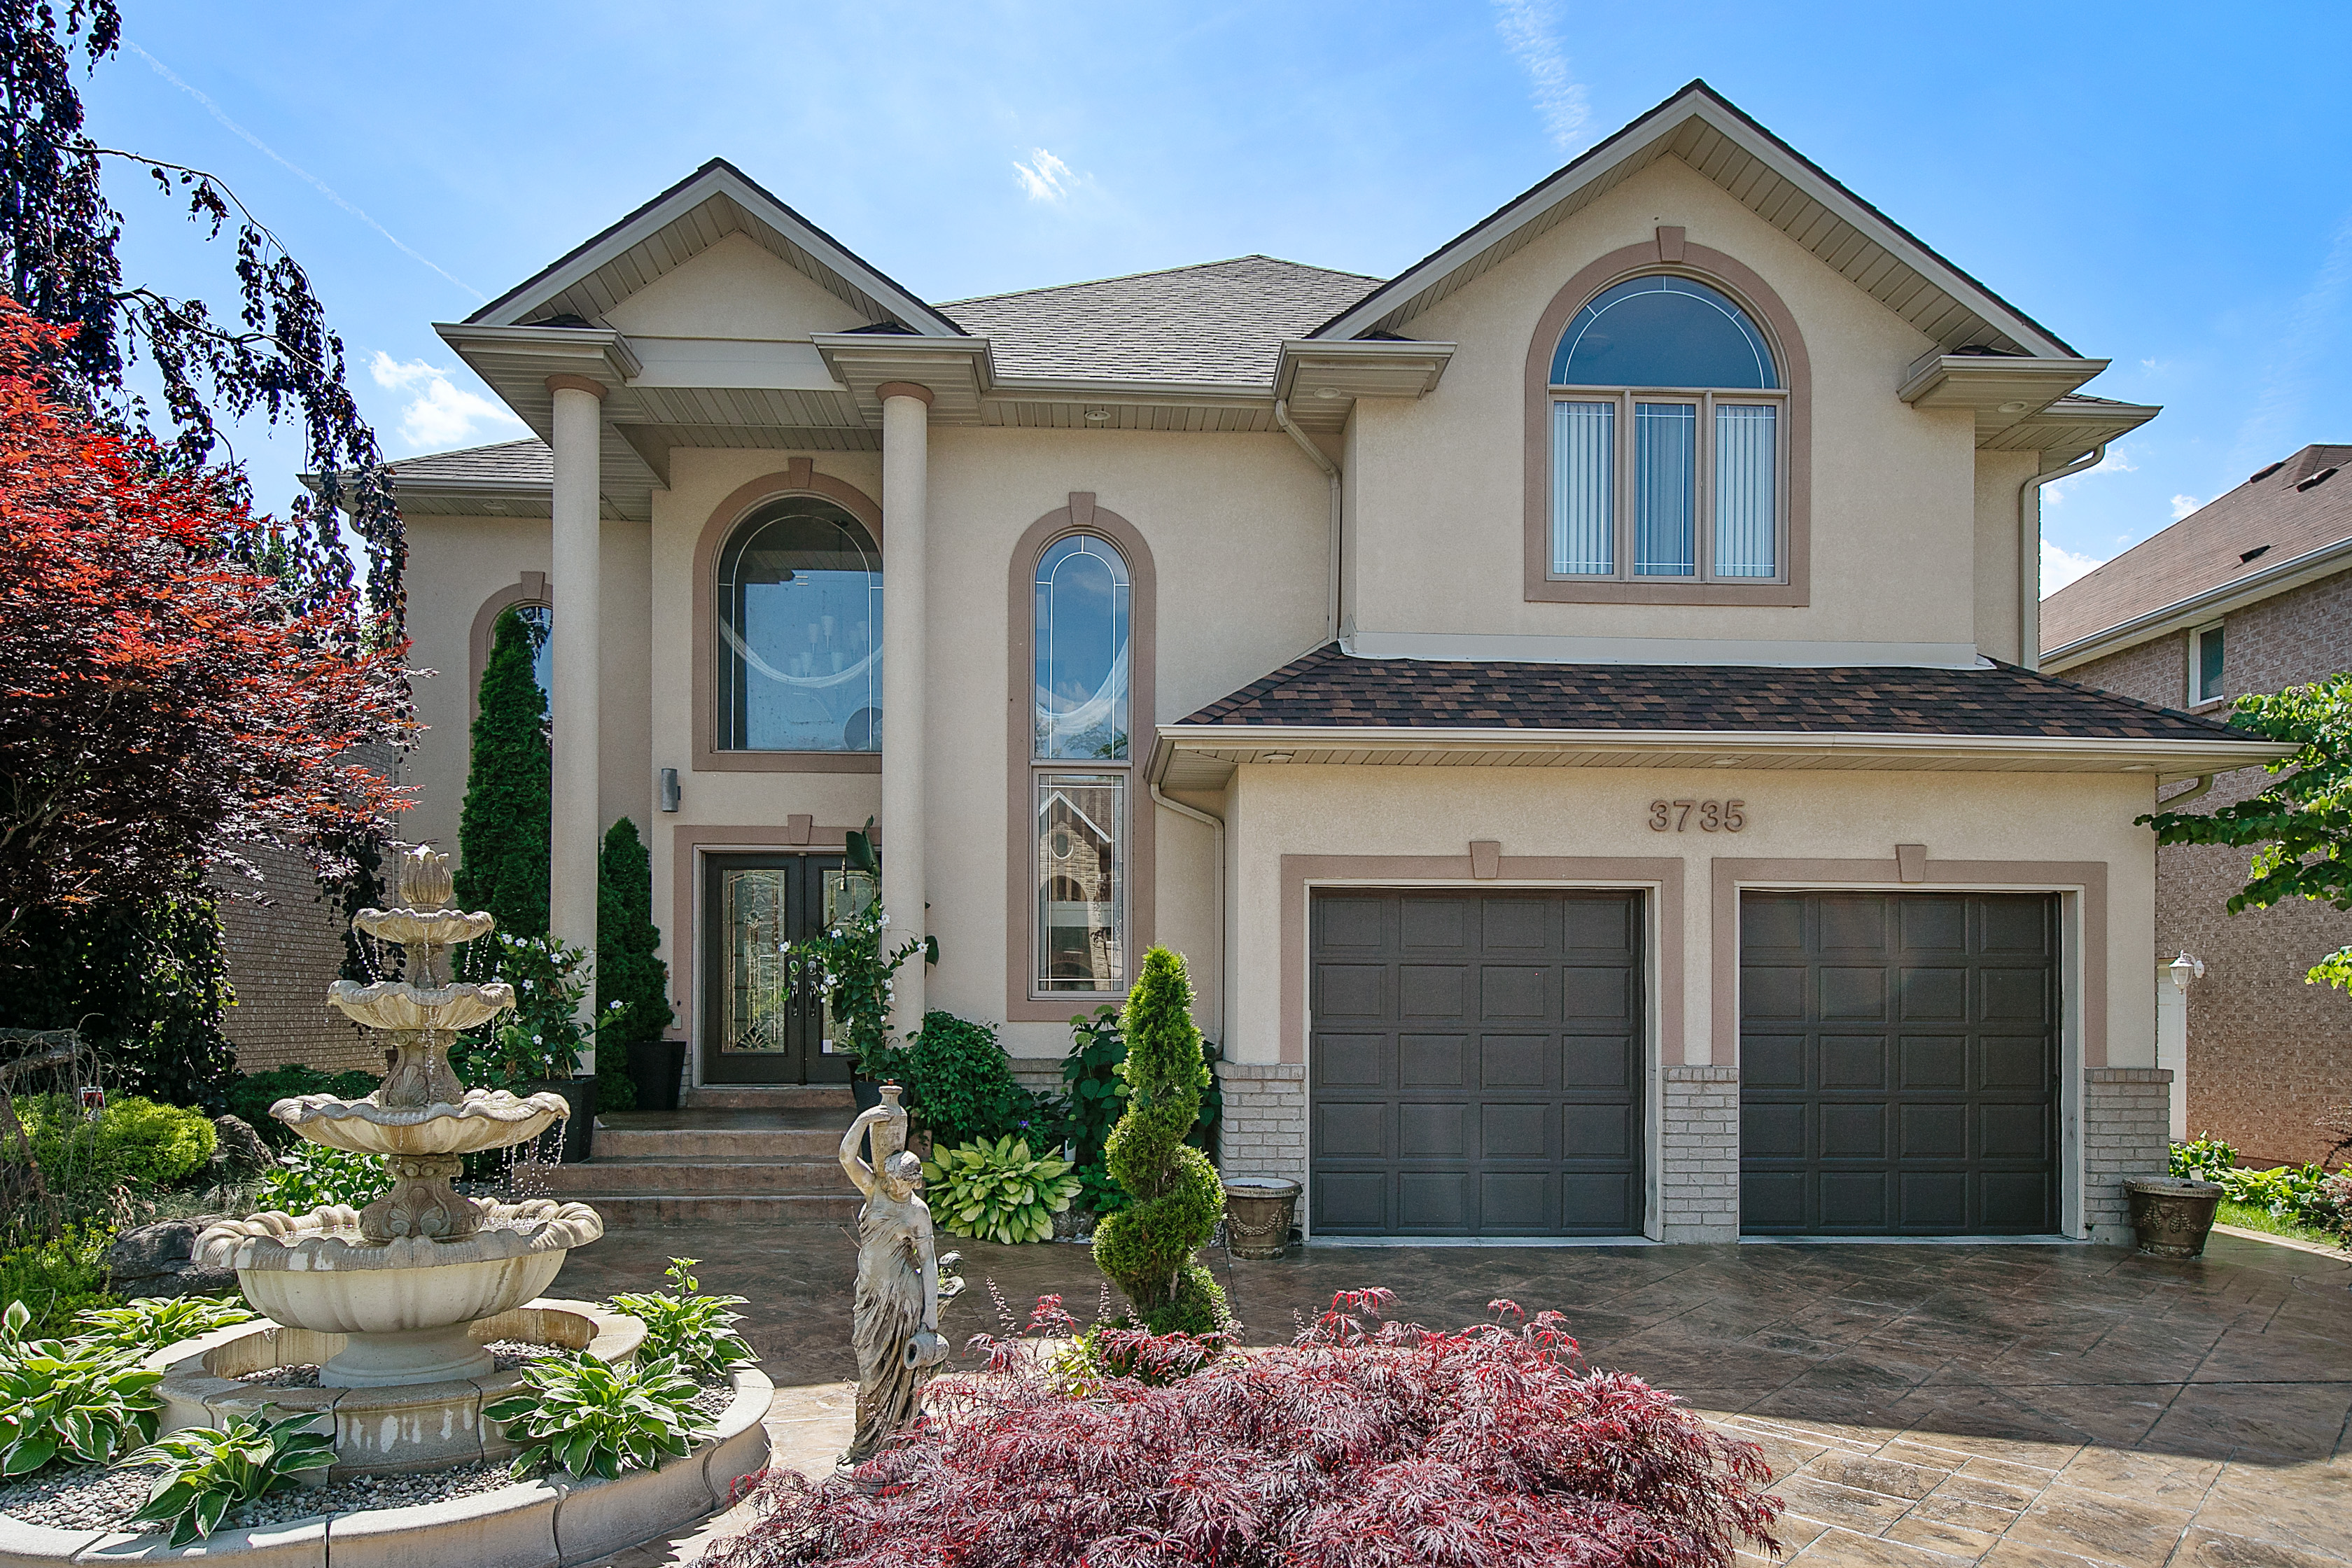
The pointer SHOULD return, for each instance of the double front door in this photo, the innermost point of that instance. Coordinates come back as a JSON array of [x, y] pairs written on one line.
[[764, 1010]]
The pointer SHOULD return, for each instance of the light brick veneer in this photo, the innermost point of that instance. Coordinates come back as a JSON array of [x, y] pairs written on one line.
[[2127, 1124], [283, 954], [1265, 1129], [1698, 1180]]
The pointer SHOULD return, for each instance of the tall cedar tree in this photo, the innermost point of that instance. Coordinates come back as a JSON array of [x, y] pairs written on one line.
[[627, 971], [1147, 1248], [503, 829]]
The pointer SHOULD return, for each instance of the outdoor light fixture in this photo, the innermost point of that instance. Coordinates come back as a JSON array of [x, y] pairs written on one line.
[[1327, 392], [1277, 756], [670, 791], [1097, 416], [2012, 409], [2185, 969]]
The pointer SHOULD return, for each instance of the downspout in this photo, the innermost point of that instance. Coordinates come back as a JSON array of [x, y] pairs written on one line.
[[2204, 782], [1224, 969], [2029, 555], [1331, 472]]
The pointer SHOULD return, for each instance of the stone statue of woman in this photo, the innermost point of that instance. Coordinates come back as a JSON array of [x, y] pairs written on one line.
[[895, 1322]]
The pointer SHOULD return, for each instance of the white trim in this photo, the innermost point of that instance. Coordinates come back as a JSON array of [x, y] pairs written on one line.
[[1759, 652], [2198, 696]]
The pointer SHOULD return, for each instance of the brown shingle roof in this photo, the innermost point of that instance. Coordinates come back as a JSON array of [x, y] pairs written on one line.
[[1327, 689], [1220, 323], [2206, 549], [524, 462]]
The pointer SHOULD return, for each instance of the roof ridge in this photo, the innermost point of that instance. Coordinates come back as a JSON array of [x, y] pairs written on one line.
[[1156, 272]]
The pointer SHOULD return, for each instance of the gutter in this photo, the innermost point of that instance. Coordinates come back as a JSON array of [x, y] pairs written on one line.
[[1330, 472], [2291, 572], [1224, 966], [2029, 555]]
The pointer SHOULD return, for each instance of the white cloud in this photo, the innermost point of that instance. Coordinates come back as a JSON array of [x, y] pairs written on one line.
[[2060, 566], [1530, 30], [2115, 462], [2183, 505], [438, 413], [1046, 178]]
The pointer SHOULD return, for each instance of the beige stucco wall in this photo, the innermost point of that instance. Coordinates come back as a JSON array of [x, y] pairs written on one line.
[[1438, 483], [734, 289], [1998, 477]]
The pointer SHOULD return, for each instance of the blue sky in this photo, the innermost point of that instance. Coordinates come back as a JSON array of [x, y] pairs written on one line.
[[2162, 184]]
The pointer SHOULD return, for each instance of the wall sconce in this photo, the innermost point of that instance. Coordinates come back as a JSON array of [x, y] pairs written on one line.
[[2185, 969], [670, 791]]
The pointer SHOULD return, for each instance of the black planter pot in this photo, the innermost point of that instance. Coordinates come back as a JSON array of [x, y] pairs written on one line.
[[656, 1067], [578, 1132]]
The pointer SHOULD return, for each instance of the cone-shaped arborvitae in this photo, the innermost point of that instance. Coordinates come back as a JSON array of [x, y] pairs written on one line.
[[1146, 1250]]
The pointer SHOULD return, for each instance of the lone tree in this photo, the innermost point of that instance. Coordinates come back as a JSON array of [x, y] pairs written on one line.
[[632, 984], [1147, 1248], [502, 828]]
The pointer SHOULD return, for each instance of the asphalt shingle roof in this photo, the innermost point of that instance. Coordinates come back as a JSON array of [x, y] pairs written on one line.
[[1327, 689], [1220, 323], [527, 461]]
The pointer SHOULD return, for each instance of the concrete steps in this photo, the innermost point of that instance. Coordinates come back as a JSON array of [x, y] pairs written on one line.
[[727, 1156], [768, 1097]]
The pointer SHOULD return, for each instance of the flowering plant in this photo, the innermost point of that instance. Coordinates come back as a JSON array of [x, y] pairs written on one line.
[[541, 1038], [856, 975]]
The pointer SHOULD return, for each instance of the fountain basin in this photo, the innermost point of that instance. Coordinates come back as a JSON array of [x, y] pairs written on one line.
[[394, 1004], [481, 1118], [442, 928]]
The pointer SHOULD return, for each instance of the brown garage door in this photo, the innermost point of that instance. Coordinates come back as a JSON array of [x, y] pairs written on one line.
[[1898, 1064], [1475, 1066]]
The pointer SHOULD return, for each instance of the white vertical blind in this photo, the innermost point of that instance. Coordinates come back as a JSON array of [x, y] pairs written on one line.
[[1747, 489], [1584, 489], [1665, 476]]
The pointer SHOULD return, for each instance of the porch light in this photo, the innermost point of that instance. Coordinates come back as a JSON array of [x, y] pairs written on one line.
[[1276, 757], [2185, 969]]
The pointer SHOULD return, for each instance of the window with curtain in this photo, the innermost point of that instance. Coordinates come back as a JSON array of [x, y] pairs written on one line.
[[1669, 383], [1079, 644], [798, 601]]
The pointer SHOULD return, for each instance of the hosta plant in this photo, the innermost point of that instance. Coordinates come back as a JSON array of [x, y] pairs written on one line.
[[208, 1471], [592, 1419], [71, 1399], [152, 1323], [1358, 1446], [998, 1191], [311, 1175], [692, 1328]]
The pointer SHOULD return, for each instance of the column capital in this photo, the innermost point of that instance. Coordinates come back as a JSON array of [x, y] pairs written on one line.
[[588, 385], [890, 389]]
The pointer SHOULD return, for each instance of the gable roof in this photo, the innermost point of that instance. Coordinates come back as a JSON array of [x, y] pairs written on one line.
[[1217, 324], [1776, 181], [2261, 537], [697, 212]]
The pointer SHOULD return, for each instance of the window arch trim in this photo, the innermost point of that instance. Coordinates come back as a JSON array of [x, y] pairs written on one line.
[[1765, 307], [1022, 1004], [799, 477]]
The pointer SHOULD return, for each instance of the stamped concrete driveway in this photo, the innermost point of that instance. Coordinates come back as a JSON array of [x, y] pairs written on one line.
[[1920, 1406]]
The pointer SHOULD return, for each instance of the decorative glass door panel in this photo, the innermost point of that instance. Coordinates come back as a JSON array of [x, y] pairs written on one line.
[[763, 1013]]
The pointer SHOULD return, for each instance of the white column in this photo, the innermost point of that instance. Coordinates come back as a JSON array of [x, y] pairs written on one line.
[[905, 430], [575, 829], [2172, 1045]]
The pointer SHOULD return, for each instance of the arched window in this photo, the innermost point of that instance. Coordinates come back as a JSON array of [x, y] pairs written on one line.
[[799, 606], [539, 620], [1078, 712], [1667, 383], [1082, 627]]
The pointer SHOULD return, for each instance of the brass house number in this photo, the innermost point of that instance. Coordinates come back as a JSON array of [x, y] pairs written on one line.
[[1707, 816]]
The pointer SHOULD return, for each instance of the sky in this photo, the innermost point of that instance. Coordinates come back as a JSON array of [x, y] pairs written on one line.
[[2163, 185]]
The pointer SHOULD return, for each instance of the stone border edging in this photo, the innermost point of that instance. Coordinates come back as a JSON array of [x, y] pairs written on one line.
[[544, 1523], [2245, 1233]]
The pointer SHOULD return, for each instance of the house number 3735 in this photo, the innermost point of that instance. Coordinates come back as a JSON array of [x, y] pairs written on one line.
[[1707, 816]]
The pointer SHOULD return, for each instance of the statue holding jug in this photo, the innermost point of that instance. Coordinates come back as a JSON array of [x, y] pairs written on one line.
[[895, 1320]]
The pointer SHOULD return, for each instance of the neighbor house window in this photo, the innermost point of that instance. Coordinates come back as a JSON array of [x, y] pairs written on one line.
[[1666, 418], [1080, 756], [800, 631], [2205, 664]]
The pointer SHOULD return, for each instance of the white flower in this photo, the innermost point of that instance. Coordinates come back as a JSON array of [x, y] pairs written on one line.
[[614, 1008], [536, 1041]]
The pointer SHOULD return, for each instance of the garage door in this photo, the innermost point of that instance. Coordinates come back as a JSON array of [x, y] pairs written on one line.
[[1476, 1063], [1898, 1064]]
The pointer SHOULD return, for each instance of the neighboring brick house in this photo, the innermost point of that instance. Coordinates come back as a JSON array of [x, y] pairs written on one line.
[[2251, 593]]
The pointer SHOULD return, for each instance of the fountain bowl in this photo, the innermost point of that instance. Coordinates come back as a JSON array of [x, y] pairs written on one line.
[[481, 1118], [395, 1006]]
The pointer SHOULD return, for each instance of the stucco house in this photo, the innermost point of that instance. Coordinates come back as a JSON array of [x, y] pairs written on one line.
[[2250, 592], [1574, 704]]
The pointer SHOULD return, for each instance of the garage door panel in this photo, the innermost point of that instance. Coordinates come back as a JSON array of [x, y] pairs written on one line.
[[1950, 1128], [1499, 1093], [1342, 923]]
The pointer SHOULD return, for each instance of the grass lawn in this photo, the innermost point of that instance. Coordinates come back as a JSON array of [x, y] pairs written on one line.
[[2253, 1216]]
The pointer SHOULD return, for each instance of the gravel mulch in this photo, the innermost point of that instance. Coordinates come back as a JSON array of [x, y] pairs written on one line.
[[508, 1354], [99, 1499]]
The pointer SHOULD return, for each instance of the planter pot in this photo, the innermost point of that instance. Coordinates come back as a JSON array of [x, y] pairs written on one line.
[[656, 1067], [1259, 1211], [2172, 1216], [579, 1130]]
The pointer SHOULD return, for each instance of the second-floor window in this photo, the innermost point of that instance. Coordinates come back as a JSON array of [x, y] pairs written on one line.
[[1079, 763], [800, 631], [1668, 415]]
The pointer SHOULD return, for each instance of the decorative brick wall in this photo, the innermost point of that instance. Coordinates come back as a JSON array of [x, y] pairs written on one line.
[[2269, 1055], [1265, 1129], [1698, 1180], [284, 945], [2127, 1126]]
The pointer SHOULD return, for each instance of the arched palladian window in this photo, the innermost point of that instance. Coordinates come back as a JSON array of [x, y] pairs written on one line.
[[800, 631], [1080, 638], [1666, 416]]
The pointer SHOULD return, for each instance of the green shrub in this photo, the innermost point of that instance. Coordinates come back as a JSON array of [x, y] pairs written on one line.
[[150, 1323], [250, 1094], [965, 1085], [55, 1279], [75, 1398], [502, 824], [690, 1328], [1095, 1097], [632, 982], [2288, 1191], [592, 1419], [1147, 1248], [133, 1143], [998, 1191], [311, 1175], [2206, 1160], [207, 1472]]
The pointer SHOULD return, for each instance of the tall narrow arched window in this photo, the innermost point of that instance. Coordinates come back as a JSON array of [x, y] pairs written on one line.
[[799, 614], [539, 620], [1078, 715], [1668, 412]]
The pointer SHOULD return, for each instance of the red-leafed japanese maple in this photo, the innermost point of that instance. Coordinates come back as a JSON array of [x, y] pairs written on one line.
[[1492, 1447], [159, 704]]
